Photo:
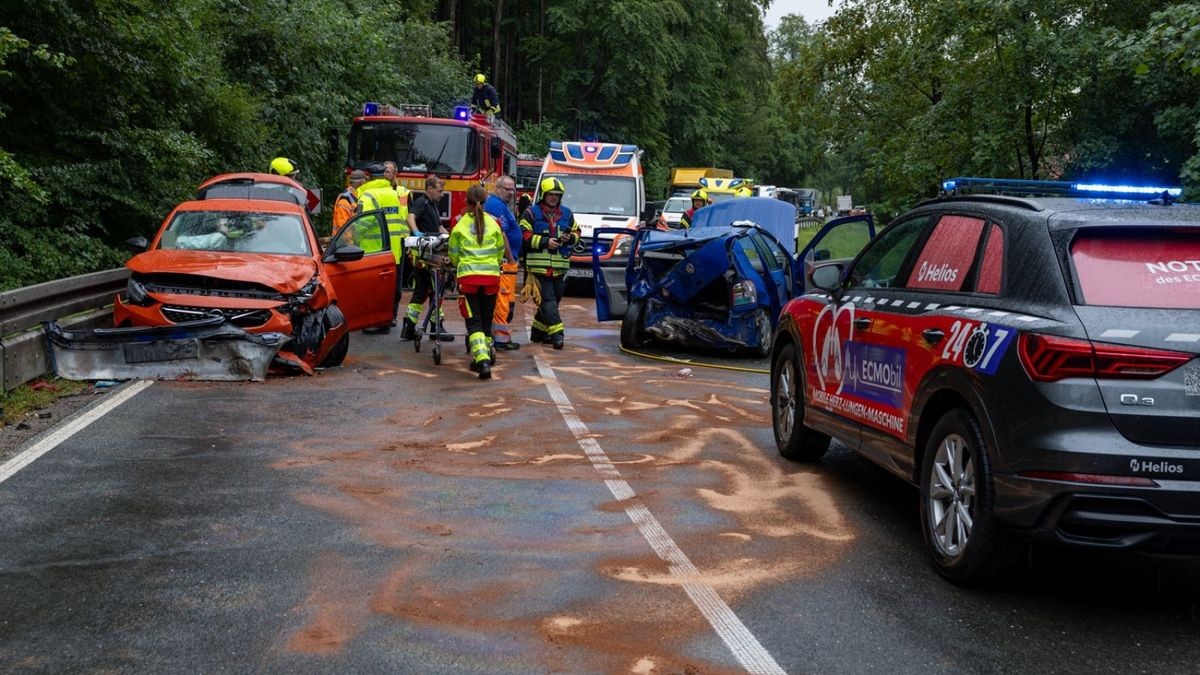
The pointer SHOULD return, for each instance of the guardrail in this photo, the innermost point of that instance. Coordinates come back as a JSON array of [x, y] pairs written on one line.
[[77, 302]]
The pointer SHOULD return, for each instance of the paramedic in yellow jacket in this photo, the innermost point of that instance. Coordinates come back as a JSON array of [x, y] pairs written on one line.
[[549, 231], [476, 248]]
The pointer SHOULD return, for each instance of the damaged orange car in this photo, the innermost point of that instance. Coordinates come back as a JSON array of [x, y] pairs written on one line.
[[245, 250]]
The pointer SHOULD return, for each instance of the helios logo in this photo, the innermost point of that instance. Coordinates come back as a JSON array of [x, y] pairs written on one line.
[[1148, 466], [941, 273]]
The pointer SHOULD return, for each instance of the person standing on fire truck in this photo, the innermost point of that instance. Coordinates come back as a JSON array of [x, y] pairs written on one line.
[[378, 193], [549, 231], [485, 99]]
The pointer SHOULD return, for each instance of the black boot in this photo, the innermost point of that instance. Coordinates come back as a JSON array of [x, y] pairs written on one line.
[[557, 340], [409, 330], [443, 334], [536, 335], [485, 370]]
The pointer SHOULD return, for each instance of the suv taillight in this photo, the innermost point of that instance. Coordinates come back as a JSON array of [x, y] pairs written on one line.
[[1047, 358]]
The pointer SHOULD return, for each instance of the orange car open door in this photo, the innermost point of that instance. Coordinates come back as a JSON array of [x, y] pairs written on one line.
[[362, 270]]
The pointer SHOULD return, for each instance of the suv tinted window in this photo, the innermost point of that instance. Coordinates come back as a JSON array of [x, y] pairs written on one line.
[[947, 255], [1137, 268], [991, 268], [882, 261]]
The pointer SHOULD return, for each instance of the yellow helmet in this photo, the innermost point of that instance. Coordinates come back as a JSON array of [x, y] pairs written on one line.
[[743, 191], [282, 166], [480, 79], [701, 195], [552, 184]]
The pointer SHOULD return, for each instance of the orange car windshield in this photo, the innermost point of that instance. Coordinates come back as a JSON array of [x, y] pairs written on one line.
[[236, 231]]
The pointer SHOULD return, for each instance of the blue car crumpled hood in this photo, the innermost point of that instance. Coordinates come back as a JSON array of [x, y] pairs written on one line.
[[774, 216]]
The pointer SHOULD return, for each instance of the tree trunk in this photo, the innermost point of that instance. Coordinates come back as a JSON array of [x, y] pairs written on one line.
[[449, 10], [541, 67], [1031, 142], [497, 71]]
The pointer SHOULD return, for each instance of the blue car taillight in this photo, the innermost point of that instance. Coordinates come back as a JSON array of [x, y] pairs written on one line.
[[743, 293]]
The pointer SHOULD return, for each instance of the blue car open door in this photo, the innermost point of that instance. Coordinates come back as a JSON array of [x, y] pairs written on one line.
[[611, 301]]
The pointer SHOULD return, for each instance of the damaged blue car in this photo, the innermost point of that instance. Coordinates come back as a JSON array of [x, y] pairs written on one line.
[[722, 283]]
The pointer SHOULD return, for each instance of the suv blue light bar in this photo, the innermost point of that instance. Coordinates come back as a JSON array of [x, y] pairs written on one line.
[[1053, 188]]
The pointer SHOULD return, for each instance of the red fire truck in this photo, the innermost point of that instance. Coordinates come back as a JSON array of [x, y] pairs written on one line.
[[465, 149]]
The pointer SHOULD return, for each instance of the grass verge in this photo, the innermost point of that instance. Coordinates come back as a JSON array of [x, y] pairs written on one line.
[[14, 405]]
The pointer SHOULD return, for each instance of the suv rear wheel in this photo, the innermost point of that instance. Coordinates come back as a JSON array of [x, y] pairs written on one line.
[[794, 440], [963, 536]]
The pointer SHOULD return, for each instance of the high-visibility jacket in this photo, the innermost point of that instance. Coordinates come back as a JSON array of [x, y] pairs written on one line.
[[472, 258], [344, 208], [379, 194], [537, 231]]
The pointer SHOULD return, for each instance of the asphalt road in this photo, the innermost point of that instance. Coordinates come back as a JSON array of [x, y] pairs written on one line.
[[585, 511]]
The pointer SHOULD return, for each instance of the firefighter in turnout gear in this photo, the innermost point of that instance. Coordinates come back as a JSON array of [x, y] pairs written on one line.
[[476, 248], [549, 232], [699, 201], [378, 193]]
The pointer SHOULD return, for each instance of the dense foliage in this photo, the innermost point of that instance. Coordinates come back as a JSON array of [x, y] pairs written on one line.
[[111, 111]]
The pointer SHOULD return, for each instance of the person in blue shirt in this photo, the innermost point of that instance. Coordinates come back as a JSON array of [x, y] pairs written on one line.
[[498, 206]]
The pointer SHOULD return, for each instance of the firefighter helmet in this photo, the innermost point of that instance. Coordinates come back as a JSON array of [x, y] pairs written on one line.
[[701, 195], [743, 191], [282, 166], [552, 184], [480, 79]]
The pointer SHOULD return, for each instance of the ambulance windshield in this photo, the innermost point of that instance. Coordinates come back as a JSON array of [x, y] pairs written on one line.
[[600, 195]]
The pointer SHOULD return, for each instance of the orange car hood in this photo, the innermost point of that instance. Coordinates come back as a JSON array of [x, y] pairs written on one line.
[[284, 273]]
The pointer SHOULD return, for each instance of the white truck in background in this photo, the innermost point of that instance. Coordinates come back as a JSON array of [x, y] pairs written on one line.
[[845, 203]]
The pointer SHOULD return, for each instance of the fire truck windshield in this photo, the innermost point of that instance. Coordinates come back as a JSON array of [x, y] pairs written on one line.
[[415, 147]]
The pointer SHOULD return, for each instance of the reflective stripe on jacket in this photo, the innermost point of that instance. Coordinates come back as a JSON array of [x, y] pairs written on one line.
[[538, 231], [471, 257]]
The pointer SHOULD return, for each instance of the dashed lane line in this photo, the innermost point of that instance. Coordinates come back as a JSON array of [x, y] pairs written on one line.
[[745, 647], [74, 426]]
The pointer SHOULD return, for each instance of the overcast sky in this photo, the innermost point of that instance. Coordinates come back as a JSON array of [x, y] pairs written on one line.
[[812, 10]]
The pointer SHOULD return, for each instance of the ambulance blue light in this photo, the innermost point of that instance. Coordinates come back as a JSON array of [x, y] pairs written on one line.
[[462, 112], [370, 109], [1128, 189]]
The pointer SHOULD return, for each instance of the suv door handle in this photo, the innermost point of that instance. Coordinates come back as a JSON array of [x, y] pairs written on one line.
[[932, 335], [862, 323]]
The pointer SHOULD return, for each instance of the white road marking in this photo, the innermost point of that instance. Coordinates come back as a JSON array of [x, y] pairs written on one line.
[[1115, 333], [12, 466], [1183, 337], [745, 647]]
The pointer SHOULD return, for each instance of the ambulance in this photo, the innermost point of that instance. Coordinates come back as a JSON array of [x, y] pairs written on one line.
[[605, 188], [720, 189]]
